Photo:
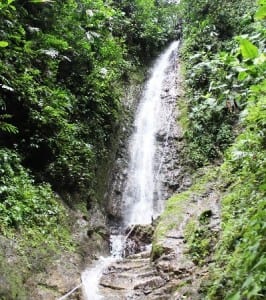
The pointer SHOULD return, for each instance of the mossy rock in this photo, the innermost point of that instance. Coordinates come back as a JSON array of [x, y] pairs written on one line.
[[181, 208], [11, 281]]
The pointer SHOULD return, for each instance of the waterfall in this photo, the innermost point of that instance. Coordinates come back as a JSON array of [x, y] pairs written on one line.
[[142, 194], [142, 190]]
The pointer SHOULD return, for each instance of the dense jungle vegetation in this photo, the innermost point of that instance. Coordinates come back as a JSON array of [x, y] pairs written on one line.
[[64, 66], [224, 67]]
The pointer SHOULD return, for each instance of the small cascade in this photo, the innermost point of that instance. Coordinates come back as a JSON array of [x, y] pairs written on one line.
[[142, 196], [90, 278], [117, 245]]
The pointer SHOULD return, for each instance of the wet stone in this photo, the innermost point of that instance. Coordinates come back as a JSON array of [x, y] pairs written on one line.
[[138, 237]]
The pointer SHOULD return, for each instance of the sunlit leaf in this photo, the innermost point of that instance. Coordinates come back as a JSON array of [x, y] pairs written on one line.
[[242, 76], [261, 13], [248, 50], [236, 296], [9, 128], [3, 44], [263, 187]]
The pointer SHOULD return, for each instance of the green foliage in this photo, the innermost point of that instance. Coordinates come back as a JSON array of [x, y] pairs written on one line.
[[64, 66], [200, 238], [225, 72], [240, 260], [6, 127], [3, 44], [5, 4], [12, 286], [146, 25], [62, 78], [248, 50], [24, 205], [33, 222], [261, 13], [216, 80], [178, 207]]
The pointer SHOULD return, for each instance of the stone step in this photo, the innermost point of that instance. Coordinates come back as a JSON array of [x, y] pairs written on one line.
[[113, 282], [136, 260], [149, 284], [127, 279], [144, 254], [129, 274], [132, 274], [120, 269], [127, 265], [110, 294], [148, 273]]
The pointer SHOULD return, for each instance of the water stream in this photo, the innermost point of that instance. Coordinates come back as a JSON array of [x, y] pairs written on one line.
[[142, 195]]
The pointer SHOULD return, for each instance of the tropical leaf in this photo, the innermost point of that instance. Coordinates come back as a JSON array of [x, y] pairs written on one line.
[[3, 44], [248, 50], [261, 13], [236, 296], [9, 128]]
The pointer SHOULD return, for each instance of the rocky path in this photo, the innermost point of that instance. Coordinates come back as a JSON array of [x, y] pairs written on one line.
[[134, 277], [173, 275]]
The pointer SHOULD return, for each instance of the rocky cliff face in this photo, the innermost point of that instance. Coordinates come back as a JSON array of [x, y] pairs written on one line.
[[169, 139], [118, 174], [29, 272]]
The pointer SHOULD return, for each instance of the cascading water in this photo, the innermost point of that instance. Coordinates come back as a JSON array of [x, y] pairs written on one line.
[[90, 278], [142, 189]]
